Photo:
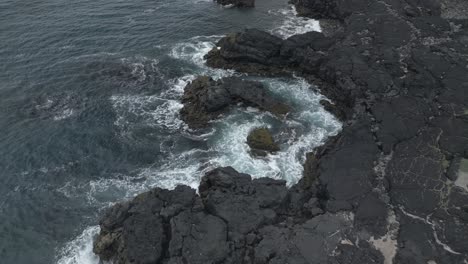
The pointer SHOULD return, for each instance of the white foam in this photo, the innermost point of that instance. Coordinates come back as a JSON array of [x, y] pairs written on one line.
[[66, 113], [307, 127], [177, 86], [232, 150], [59, 108], [292, 24], [194, 51], [151, 111], [173, 175], [80, 250], [141, 66], [305, 130]]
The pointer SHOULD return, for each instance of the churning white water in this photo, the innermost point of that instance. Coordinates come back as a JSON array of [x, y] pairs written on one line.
[[80, 250], [224, 144], [291, 24]]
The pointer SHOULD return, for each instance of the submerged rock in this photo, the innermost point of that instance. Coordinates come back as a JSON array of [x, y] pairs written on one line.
[[205, 99], [261, 142], [237, 3]]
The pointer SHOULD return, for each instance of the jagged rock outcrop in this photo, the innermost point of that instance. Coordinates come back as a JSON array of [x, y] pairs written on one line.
[[391, 187], [205, 99], [257, 52], [237, 3], [220, 225]]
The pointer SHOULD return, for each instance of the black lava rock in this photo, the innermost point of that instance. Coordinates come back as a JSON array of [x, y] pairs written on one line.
[[204, 99], [390, 188]]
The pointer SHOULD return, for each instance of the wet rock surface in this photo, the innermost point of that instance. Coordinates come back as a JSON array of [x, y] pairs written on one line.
[[390, 188], [205, 99], [261, 142]]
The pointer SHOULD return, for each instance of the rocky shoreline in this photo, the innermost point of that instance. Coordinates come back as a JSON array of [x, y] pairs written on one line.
[[390, 188]]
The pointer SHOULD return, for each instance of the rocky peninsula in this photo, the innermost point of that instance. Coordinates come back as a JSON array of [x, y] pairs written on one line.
[[390, 188]]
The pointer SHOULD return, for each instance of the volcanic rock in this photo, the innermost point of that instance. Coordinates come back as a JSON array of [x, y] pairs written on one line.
[[388, 189], [205, 99], [234, 219], [261, 142]]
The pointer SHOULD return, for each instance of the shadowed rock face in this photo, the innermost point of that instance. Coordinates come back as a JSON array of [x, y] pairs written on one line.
[[204, 99], [388, 189], [237, 3]]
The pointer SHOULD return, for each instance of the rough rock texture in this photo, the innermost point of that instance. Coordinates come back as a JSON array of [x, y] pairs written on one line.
[[237, 3], [205, 99], [257, 52], [390, 188], [223, 224], [261, 142]]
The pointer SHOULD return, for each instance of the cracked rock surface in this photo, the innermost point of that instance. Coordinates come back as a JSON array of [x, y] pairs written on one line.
[[390, 188]]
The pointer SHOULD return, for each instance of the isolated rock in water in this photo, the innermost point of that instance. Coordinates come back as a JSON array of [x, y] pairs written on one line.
[[237, 3], [261, 142], [204, 99]]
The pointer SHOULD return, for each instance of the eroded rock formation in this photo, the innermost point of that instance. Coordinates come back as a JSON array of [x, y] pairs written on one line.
[[205, 99]]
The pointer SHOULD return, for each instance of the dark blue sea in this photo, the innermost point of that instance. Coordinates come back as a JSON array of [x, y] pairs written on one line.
[[89, 113]]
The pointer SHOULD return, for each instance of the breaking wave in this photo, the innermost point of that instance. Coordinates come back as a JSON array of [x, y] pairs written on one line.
[[292, 24]]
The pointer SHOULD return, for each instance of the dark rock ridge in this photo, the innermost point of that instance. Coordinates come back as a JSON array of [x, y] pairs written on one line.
[[205, 99], [390, 188], [257, 52], [237, 3], [234, 219]]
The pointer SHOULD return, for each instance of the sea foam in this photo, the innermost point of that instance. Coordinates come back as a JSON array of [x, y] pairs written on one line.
[[80, 250], [292, 24], [306, 128]]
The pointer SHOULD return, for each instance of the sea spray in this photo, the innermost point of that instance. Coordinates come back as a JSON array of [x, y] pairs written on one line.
[[80, 250], [291, 24]]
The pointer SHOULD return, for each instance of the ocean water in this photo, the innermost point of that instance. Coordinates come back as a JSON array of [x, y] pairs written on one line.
[[89, 100]]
